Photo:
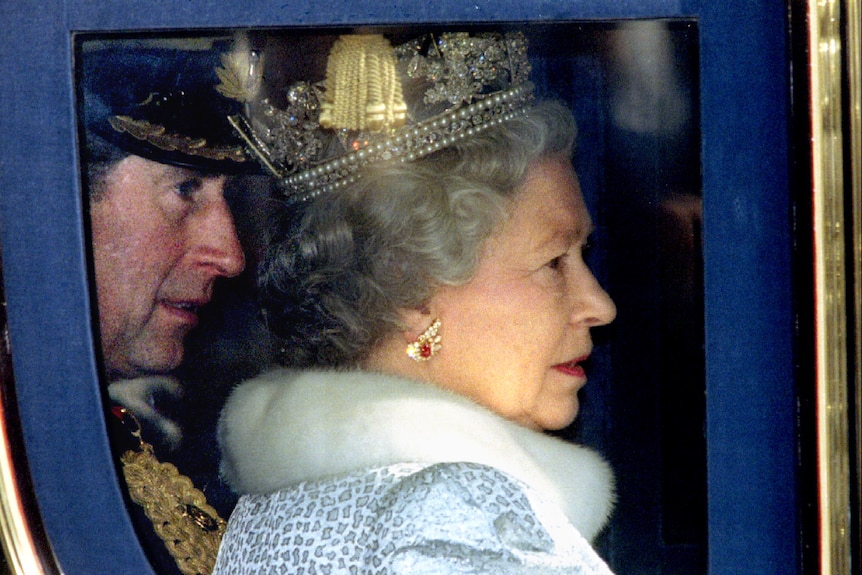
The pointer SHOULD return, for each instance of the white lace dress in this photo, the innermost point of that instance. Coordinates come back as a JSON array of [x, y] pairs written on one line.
[[405, 519]]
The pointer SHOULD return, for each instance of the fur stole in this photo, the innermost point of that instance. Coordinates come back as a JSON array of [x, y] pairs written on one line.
[[285, 427]]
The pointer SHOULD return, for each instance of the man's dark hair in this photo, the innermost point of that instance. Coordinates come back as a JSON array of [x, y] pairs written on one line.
[[98, 156]]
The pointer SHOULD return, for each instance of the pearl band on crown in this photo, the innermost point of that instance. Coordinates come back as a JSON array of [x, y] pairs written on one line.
[[421, 140]]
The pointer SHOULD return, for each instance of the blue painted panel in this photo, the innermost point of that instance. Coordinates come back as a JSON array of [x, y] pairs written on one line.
[[749, 310], [115, 14], [48, 302]]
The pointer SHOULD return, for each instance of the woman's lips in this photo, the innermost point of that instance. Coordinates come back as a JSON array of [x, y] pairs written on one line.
[[573, 368]]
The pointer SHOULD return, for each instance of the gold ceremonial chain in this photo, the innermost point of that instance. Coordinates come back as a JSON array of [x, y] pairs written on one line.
[[190, 528]]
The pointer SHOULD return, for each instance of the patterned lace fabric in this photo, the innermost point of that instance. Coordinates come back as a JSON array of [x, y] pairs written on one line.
[[405, 519]]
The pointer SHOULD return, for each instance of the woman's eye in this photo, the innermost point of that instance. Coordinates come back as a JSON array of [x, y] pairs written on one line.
[[556, 263]]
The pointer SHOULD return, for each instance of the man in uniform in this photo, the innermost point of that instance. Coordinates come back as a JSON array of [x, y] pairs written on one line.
[[157, 151]]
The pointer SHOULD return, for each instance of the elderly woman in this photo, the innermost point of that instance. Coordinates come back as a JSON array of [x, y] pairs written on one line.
[[436, 312]]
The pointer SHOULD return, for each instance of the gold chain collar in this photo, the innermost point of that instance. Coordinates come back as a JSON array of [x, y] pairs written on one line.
[[190, 528]]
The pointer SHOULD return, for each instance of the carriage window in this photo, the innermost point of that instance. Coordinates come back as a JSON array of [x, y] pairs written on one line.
[[188, 151]]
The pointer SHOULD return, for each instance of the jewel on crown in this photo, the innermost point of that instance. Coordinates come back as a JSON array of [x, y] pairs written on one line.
[[328, 131]]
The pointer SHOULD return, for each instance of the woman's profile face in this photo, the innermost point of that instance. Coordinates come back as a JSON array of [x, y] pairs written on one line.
[[515, 337]]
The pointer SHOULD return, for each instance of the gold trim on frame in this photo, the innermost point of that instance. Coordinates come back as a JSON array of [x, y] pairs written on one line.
[[853, 18], [828, 46]]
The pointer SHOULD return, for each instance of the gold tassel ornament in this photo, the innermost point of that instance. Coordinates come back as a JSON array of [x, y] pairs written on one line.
[[363, 91]]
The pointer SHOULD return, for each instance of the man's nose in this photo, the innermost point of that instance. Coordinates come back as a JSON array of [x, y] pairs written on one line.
[[220, 249]]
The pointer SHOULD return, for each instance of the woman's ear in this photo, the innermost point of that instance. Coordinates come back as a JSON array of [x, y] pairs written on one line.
[[416, 321]]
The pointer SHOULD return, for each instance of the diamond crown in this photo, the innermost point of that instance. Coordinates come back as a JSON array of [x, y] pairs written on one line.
[[326, 133]]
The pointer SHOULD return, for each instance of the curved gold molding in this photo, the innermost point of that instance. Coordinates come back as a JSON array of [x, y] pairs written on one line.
[[829, 45], [16, 528], [24, 544]]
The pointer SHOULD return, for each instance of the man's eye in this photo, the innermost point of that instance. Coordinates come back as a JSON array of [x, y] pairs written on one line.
[[187, 188]]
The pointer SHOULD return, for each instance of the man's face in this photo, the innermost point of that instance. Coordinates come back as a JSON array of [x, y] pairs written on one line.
[[161, 236]]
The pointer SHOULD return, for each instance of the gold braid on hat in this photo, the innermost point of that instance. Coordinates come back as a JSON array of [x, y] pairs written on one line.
[[328, 131]]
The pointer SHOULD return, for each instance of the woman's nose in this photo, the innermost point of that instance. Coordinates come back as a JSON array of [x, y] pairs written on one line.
[[595, 307]]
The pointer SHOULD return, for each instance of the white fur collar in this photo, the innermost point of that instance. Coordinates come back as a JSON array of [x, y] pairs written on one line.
[[285, 426]]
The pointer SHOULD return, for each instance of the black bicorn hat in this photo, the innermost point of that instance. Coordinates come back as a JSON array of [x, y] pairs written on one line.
[[161, 103]]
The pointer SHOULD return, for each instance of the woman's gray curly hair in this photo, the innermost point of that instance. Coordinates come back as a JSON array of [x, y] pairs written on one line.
[[340, 269]]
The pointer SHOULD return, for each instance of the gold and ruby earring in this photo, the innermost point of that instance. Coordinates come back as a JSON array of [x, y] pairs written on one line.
[[426, 345]]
